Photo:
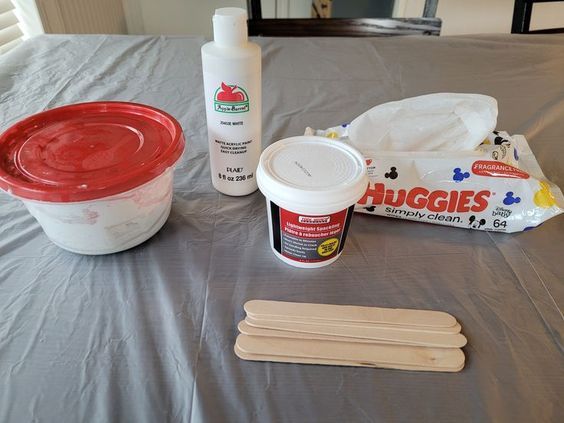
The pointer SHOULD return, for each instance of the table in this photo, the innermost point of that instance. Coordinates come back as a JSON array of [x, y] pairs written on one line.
[[147, 335]]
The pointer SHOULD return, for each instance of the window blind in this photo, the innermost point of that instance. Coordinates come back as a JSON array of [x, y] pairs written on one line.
[[10, 32]]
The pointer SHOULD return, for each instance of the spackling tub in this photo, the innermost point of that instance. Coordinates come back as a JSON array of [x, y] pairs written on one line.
[[311, 185], [96, 176]]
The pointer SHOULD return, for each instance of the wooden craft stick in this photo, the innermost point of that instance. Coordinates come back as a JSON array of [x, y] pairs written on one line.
[[321, 361], [452, 330], [442, 340], [246, 329], [347, 313], [444, 358]]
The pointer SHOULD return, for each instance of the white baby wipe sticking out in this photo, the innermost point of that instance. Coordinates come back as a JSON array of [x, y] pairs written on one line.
[[433, 122], [232, 84], [435, 159], [310, 186]]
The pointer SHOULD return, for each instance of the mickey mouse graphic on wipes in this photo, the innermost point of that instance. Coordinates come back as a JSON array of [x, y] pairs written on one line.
[[475, 223]]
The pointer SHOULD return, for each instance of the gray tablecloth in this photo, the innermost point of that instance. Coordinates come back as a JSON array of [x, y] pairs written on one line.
[[147, 335]]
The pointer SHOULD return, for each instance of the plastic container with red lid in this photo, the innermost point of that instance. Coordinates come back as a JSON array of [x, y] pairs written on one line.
[[97, 176]]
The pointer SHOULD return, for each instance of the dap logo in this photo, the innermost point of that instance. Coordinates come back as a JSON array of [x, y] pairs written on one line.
[[230, 99]]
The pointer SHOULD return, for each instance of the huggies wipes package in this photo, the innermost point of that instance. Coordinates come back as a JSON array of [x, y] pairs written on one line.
[[437, 159]]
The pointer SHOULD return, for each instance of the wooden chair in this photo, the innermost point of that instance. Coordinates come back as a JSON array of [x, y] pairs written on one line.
[[522, 12], [343, 27]]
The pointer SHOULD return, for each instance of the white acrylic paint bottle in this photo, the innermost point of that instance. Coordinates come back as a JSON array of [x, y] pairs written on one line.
[[232, 85]]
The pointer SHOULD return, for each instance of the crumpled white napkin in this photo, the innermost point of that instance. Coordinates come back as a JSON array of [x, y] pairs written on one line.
[[434, 122]]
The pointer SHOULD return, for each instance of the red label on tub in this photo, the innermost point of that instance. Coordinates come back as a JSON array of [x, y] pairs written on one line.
[[497, 170], [307, 238]]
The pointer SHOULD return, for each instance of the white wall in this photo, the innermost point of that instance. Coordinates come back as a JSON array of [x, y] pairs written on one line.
[[286, 8], [133, 16], [459, 16], [191, 17], [548, 15]]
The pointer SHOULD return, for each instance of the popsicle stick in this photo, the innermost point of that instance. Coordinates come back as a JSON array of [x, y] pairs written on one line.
[[453, 330], [246, 329], [324, 361], [391, 316], [441, 340], [404, 355]]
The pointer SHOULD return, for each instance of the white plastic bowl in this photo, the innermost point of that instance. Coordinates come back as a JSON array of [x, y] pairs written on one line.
[[98, 177], [110, 224]]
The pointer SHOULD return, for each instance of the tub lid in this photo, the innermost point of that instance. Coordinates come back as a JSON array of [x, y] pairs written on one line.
[[87, 151], [312, 174]]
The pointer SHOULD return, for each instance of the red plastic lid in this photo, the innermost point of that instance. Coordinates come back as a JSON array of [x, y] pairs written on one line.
[[87, 151]]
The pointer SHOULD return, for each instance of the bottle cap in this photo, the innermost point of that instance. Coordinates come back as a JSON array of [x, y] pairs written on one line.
[[230, 26]]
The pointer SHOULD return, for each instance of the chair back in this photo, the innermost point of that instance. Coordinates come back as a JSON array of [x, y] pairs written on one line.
[[342, 27]]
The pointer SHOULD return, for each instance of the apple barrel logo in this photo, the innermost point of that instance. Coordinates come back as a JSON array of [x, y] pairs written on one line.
[[230, 99]]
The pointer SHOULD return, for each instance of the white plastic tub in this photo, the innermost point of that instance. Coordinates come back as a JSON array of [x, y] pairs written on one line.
[[311, 185], [110, 224], [96, 176]]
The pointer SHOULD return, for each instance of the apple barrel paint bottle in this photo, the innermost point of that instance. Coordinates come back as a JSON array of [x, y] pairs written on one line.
[[232, 87]]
